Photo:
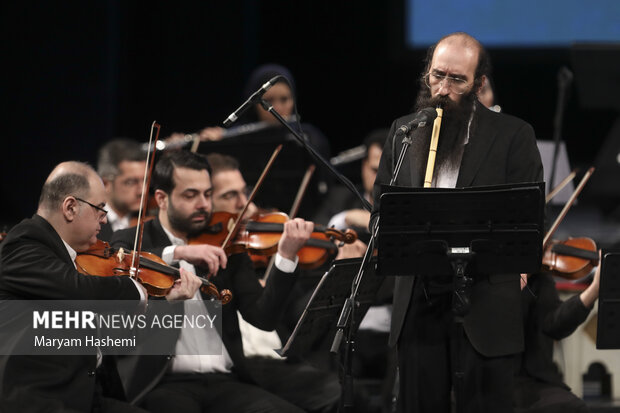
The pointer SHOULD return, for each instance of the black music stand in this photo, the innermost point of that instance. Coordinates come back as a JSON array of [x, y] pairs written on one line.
[[324, 307], [608, 324], [461, 232], [323, 311]]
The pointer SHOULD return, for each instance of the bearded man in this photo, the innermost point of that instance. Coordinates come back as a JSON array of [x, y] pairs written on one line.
[[477, 147]]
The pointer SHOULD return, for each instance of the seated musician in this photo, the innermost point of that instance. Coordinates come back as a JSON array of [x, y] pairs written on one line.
[[37, 263], [297, 382], [538, 384], [341, 208], [120, 164], [183, 192], [282, 96]]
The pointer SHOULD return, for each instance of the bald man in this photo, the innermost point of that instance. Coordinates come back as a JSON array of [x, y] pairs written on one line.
[[37, 263], [477, 147]]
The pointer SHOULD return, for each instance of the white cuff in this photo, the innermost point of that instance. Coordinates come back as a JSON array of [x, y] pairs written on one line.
[[286, 265], [168, 255], [338, 221], [143, 297]]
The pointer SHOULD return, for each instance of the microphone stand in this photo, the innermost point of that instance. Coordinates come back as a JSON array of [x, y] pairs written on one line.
[[346, 320], [565, 77], [343, 179]]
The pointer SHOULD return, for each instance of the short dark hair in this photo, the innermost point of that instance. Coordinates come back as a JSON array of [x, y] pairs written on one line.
[[164, 169], [221, 163], [482, 68], [116, 151], [56, 190], [376, 137]]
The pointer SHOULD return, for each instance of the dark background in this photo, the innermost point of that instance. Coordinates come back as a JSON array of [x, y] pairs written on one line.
[[76, 75]]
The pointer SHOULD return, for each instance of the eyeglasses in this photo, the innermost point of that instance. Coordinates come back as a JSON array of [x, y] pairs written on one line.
[[458, 86], [102, 212]]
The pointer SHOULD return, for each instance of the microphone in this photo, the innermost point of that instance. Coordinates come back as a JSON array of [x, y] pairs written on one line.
[[420, 119], [251, 100]]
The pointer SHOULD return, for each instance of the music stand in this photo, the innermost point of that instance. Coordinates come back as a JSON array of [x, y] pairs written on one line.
[[324, 307], [464, 233], [502, 225], [608, 326]]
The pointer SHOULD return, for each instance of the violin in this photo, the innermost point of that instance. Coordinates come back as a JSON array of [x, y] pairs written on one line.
[[154, 274], [575, 257], [572, 259], [260, 236]]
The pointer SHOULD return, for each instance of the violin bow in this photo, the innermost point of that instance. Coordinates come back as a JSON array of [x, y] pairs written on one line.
[[561, 186], [570, 202], [263, 175], [146, 183]]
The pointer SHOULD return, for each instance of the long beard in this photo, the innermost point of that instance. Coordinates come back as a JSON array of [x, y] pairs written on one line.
[[454, 126], [185, 224]]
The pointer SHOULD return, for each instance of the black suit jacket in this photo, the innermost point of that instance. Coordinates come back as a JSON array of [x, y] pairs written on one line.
[[36, 265], [546, 318], [502, 149], [105, 233], [261, 307]]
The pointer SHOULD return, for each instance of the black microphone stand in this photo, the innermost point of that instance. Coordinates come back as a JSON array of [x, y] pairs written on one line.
[[346, 320], [565, 77]]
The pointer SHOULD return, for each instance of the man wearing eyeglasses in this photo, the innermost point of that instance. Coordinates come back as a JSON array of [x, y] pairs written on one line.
[[121, 165], [38, 263], [477, 147]]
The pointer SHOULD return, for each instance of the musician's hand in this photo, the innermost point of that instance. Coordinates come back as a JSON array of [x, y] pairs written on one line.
[[204, 255], [185, 287], [354, 250], [524, 278], [357, 218], [214, 133], [295, 234], [590, 294]]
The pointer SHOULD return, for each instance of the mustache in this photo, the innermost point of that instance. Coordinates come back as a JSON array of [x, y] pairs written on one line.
[[202, 213]]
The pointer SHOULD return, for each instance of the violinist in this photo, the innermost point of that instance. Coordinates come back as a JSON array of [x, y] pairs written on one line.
[[539, 386], [295, 381], [183, 191], [37, 263], [120, 164], [477, 147]]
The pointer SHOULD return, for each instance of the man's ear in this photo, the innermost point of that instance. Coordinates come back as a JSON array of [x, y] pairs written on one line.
[[162, 199], [483, 84], [70, 208]]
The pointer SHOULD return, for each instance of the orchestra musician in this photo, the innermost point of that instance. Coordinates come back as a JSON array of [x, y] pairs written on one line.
[[283, 97], [200, 382], [538, 384], [297, 382], [476, 147], [37, 263], [120, 163]]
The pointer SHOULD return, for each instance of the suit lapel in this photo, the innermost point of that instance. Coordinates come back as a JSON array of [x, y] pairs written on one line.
[[480, 142], [157, 234]]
